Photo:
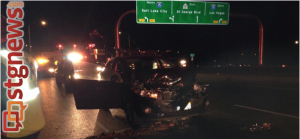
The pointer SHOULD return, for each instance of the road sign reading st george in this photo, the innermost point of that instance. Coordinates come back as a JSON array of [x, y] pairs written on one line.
[[182, 12]]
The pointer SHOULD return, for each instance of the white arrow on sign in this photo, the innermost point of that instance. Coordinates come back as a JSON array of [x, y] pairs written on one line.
[[220, 20], [197, 19], [146, 18], [172, 18]]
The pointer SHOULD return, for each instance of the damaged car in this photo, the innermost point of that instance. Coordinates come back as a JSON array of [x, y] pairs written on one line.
[[145, 87]]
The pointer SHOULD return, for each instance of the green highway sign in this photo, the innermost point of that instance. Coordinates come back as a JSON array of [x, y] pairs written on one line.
[[192, 55], [182, 12]]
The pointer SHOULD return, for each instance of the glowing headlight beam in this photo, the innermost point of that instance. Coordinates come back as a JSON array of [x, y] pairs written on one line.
[[42, 61], [51, 70], [76, 76], [100, 69], [183, 62], [75, 57]]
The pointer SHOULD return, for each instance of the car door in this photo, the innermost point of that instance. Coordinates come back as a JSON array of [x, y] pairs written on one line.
[[119, 75], [107, 73], [97, 94]]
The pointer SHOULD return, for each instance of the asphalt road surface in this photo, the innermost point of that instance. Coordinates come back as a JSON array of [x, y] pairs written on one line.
[[234, 108]]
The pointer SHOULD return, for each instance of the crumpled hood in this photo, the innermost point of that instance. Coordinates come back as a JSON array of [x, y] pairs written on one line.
[[166, 77]]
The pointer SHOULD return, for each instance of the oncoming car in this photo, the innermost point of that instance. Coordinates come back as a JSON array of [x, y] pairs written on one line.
[[45, 67], [76, 66], [145, 87]]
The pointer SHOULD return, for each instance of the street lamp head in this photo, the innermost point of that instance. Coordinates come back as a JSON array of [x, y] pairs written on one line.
[[43, 22], [120, 32], [296, 42]]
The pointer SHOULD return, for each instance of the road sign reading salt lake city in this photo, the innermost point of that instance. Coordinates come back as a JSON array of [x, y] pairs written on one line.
[[182, 12]]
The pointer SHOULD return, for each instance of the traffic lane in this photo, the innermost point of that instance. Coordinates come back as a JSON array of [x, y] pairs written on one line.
[[225, 117], [97, 122], [234, 120], [276, 98], [63, 120], [230, 122], [218, 121], [247, 104]]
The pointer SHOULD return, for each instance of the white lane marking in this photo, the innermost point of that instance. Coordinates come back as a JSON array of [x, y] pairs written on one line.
[[276, 113], [102, 127]]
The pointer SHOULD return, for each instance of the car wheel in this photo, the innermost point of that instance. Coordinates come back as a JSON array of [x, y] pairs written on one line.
[[58, 83], [131, 116]]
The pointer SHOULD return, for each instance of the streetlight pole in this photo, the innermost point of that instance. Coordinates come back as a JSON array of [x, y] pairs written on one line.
[[29, 40], [128, 39]]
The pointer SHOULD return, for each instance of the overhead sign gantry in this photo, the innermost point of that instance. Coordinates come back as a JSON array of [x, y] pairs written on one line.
[[182, 12]]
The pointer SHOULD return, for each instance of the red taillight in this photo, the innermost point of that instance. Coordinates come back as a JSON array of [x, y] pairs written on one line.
[[91, 45], [59, 46]]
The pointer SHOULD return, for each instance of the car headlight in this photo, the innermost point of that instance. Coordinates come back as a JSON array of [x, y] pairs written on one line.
[[75, 57], [200, 88], [76, 76], [183, 63], [100, 69], [42, 61], [51, 70]]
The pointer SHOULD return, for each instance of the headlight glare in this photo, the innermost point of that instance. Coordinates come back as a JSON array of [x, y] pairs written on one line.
[[51, 70]]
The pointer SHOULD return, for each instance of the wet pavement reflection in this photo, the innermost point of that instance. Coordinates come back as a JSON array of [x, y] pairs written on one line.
[[222, 120]]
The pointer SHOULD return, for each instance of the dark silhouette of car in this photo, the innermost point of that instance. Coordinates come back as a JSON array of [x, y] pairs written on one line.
[[145, 87]]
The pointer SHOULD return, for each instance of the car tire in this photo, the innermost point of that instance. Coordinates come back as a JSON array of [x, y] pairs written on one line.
[[58, 83], [131, 116], [68, 84]]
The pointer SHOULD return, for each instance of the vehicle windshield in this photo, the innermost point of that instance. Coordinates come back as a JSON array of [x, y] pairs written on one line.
[[86, 70], [146, 64]]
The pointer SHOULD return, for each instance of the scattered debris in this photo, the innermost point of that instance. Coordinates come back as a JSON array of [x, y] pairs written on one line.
[[146, 129], [257, 127]]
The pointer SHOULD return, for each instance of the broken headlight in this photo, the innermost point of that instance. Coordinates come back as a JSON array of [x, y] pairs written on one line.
[[149, 93], [200, 88]]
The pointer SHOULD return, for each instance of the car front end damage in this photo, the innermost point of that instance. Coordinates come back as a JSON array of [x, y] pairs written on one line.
[[166, 96]]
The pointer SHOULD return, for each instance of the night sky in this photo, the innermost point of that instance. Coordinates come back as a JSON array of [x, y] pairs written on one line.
[[71, 22]]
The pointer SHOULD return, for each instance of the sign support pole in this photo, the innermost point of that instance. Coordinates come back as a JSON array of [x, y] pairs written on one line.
[[117, 45]]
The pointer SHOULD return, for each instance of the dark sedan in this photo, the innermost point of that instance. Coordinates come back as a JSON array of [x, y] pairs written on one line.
[[144, 87]]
